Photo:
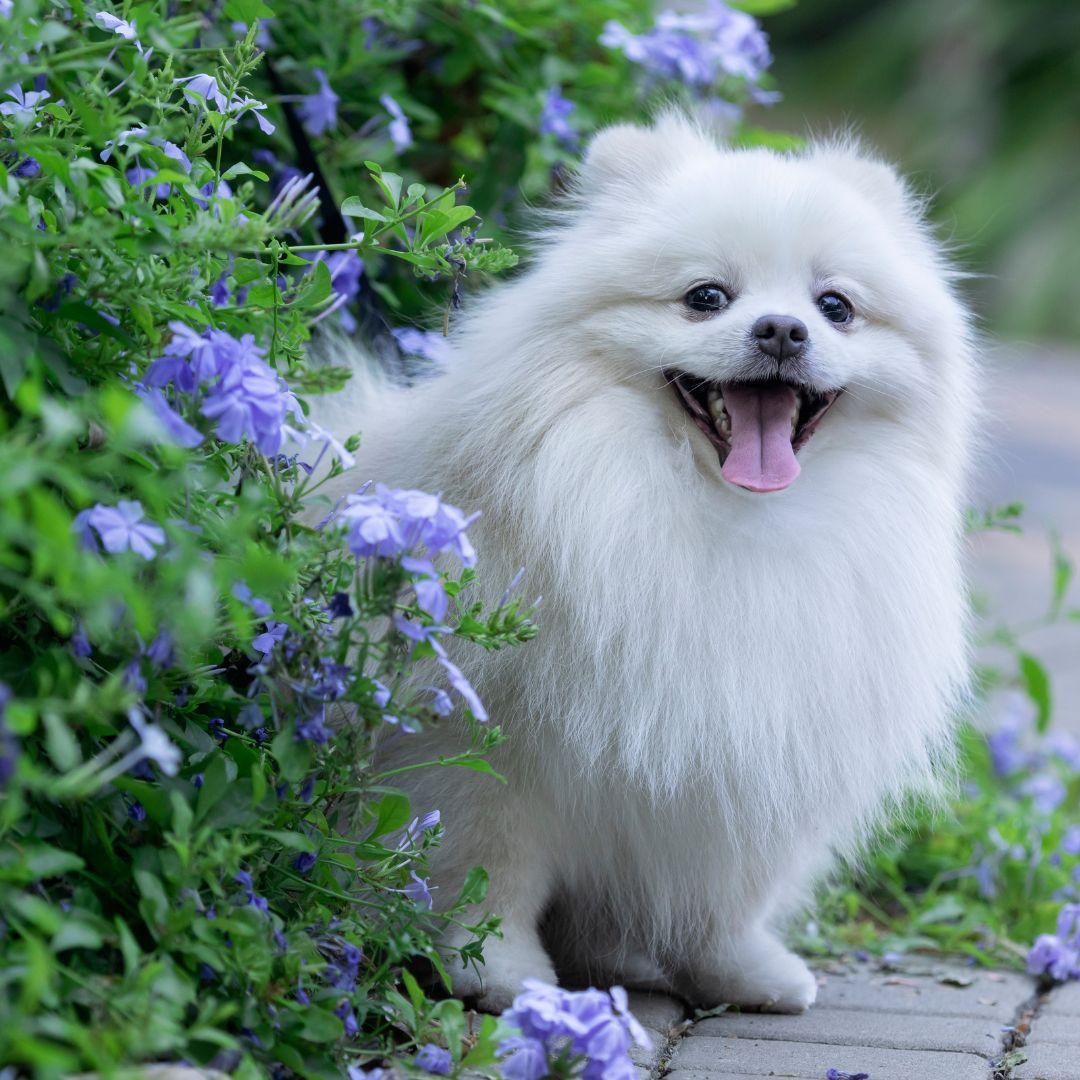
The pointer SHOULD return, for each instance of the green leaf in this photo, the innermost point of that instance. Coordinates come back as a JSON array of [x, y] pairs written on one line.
[[43, 861], [390, 185], [315, 287], [475, 886], [391, 812], [247, 11], [293, 755], [1036, 682], [1063, 573], [62, 745], [353, 207], [215, 781], [412, 988], [77, 311], [321, 1025]]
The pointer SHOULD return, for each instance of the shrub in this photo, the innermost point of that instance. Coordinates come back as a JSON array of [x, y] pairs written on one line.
[[198, 859]]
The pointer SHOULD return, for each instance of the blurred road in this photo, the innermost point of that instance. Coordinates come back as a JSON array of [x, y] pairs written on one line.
[[1032, 455]]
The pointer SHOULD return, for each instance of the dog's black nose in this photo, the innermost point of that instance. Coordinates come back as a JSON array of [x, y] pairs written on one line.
[[780, 336]]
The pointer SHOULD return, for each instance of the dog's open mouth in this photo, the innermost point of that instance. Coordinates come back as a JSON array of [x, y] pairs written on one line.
[[757, 427]]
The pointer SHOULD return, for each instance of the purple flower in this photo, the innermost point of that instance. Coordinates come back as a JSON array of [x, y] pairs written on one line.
[[1058, 955], [1007, 755], [836, 1074], [265, 642], [554, 117], [172, 425], [525, 1058], [425, 343], [136, 811], [414, 831], [1070, 842], [260, 903], [464, 688], [1046, 791], [26, 169], [249, 398], [314, 729], [342, 973], [344, 1010], [434, 1059], [220, 294], [121, 528], [243, 594], [126, 30], [591, 1023], [696, 48], [23, 104], [160, 651], [305, 861], [398, 128], [441, 704], [374, 528], [417, 890], [318, 111], [133, 678], [1065, 747], [9, 745], [204, 90], [339, 606], [80, 643]]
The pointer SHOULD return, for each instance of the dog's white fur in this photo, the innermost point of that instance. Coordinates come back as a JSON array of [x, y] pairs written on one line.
[[727, 688]]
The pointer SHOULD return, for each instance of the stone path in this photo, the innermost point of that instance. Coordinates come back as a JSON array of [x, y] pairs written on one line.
[[931, 1022]]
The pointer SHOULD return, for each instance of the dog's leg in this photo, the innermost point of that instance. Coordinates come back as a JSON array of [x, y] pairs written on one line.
[[510, 959], [752, 970]]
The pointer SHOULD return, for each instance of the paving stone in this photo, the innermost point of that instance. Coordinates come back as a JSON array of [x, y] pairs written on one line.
[[657, 1011], [849, 1027], [1063, 1001], [648, 1058], [724, 1057], [992, 995], [1048, 1061], [1056, 1029]]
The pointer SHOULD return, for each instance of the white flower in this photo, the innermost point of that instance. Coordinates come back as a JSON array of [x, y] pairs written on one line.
[[156, 745]]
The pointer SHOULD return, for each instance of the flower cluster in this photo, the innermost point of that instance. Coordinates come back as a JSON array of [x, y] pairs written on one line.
[[591, 1026], [393, 521], [239, 391], [1058, 955], [699, 47]]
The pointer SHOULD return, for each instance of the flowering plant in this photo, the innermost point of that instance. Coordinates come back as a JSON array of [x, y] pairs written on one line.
[[199, 858]]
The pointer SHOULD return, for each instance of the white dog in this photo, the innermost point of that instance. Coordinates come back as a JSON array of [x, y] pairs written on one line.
[[723, 422]]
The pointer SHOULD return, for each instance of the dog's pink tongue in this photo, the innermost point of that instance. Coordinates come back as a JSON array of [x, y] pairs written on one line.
[[761, 457]]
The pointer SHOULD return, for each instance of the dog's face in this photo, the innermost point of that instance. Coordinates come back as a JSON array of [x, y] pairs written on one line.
[[762, 287]]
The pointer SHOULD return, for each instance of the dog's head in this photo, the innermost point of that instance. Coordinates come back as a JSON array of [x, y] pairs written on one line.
[[773, 294]]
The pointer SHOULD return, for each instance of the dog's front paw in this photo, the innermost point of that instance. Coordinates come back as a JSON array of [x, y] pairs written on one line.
[[762, 975]]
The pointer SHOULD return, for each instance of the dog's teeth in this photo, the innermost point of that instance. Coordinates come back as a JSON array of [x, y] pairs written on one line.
[[716, 404]]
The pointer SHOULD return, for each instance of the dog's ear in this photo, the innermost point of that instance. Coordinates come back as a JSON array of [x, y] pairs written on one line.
[[872, 177], [625, 155]]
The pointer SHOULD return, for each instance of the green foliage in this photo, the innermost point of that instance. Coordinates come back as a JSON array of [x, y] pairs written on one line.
[[989, 873], [199, 857]]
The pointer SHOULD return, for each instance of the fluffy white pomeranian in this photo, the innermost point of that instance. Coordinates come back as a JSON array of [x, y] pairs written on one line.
[[723, 422]]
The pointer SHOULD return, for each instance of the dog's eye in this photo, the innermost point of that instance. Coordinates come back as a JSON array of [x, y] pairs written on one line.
[[834, 307], [706, 298]]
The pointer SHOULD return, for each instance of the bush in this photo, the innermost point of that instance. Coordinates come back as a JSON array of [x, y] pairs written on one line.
[[198, 859]]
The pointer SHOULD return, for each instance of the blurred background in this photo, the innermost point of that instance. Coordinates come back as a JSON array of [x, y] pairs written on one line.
[[979, 102]]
